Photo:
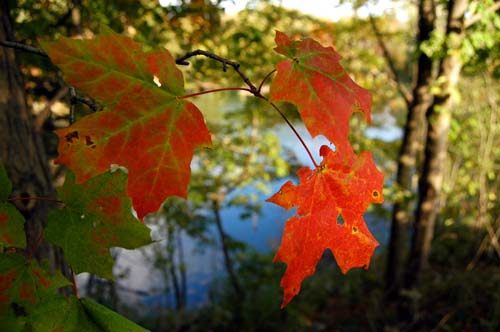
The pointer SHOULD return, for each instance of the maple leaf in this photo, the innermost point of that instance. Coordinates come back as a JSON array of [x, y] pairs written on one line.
[[97, 216], [313, 79], [78, 315], [144, 127], [331, 200], [11, 220], [25, 283]]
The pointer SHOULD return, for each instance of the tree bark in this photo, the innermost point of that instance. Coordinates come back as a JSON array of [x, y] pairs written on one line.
[[22, 151], [412, 142], [438, 117]]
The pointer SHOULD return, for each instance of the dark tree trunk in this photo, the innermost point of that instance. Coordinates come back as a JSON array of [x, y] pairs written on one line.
[[412, 142], [228, 262], [172, 268], [439, 117], [21, 148], [182, 271]]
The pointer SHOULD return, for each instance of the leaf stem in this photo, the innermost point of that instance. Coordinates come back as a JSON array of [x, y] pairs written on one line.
[[257, 94], [45, 199], [265, 79], [212, 91], [75, 286], [294, 131], [35, 246]]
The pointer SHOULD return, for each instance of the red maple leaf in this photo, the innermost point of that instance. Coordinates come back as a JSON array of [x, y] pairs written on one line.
[[313, 79], [144, 127], [331, 201]]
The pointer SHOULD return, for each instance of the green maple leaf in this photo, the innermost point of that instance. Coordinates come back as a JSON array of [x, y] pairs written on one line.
[[97, 216], [25, 282], [11, 220], [78, 315]]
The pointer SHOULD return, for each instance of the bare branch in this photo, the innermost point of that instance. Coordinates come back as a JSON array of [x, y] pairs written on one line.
[[89, 102], [388, 58], [23, 47], [225, 62]]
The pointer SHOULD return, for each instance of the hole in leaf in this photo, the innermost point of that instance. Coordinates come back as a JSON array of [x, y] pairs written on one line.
[[156, 81], [354, 229], [375, 194], [340, 219], [88, 141], [69, 137]]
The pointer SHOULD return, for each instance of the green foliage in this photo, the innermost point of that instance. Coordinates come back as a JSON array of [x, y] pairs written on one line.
[[78, 315], [96, 216], [11, 221], [26, 283]]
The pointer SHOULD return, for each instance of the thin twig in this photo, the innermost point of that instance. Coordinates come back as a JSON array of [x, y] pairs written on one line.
[[35, 246], [225, 62], [265, 79], [45, 199], [213, 90], [95, 107], [390, 62], [295, 132], [23, 47], [253, 90], [72, 102], [75, 285]]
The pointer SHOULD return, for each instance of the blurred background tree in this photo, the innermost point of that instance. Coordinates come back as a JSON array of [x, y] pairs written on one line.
[[433, 68]]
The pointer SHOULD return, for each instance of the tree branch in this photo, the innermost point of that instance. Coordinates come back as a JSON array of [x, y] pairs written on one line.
[[388, 58], [225, 62], [38, 51], [23, 47]]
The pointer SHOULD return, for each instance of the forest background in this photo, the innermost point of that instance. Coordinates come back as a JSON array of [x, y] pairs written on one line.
[[435, 76]]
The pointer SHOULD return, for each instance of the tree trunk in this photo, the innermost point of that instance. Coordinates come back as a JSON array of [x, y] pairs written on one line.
[[182, 270], [411, 144], [172, 267], [438, 117], [228, 262], [21, 149]]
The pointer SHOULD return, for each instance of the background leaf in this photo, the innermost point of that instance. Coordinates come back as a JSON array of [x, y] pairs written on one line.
[[78, 315], [97, 216], [11, 220], [25, 283]]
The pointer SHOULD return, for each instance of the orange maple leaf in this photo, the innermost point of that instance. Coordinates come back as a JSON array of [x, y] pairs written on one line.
[[331, 201], [144, 125], [313, 79]]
